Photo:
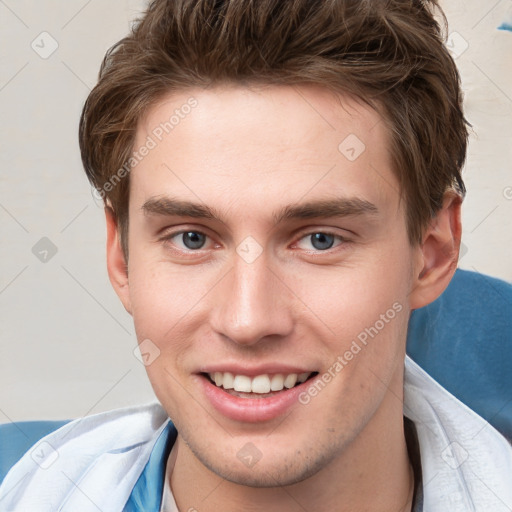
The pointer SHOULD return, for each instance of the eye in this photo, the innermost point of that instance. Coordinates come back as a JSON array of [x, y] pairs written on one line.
[[188, 240], [320, 241]]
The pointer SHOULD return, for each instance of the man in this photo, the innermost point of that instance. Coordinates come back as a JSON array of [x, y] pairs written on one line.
[[282, 188]]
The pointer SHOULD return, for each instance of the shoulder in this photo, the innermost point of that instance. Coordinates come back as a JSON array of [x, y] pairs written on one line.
[[466, 463], [16, 438], [82, 456]]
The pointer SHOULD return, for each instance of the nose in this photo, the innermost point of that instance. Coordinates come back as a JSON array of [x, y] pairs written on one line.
[[252, 303]]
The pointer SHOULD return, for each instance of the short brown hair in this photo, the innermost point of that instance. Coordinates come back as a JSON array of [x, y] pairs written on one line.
[[390, 54]]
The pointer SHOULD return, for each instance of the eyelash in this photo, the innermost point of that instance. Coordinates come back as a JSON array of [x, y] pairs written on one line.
[[342, 240]]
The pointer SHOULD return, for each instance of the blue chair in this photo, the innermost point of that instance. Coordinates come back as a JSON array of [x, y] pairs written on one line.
[[18, 438], [463, 339]]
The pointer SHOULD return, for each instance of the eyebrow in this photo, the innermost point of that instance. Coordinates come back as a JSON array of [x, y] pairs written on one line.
[[338, 207]]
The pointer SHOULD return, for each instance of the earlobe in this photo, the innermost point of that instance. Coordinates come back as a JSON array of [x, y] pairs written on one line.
[[438, 253], [116, 264]]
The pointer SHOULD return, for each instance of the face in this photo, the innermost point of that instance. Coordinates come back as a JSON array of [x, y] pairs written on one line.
[[267, 245]]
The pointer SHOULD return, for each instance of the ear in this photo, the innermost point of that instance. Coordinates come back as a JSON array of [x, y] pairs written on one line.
[[116, 263], [438, 254]]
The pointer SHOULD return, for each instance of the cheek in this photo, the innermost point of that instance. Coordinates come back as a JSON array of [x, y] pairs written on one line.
[[161, 307], [160, 294], [365, 310], [350, 299]]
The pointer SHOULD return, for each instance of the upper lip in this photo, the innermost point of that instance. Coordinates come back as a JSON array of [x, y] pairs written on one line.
[[253, 371]]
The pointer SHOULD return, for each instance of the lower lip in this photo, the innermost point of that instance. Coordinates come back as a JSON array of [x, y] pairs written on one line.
[[252, 409]]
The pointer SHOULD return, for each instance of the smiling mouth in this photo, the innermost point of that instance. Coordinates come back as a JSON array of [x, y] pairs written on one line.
[[261, 386]]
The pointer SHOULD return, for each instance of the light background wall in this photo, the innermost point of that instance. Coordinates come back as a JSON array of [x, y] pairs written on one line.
[[66, 343]]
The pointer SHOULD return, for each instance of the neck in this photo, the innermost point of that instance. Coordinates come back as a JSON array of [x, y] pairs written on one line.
[[373, 473]]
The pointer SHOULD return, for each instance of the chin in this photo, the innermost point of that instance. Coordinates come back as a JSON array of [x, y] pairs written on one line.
[[281, 469]]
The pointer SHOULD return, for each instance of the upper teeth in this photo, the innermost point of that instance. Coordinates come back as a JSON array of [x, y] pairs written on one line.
[[259, 384]]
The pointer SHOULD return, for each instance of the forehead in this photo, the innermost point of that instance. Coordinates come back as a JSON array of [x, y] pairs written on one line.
[[250, 147]]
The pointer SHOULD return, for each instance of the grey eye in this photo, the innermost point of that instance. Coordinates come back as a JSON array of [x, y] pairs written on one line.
[[193, 239], [322, 241]]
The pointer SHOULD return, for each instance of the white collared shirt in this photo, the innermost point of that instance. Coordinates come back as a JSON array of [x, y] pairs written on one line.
[[466, 463]]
